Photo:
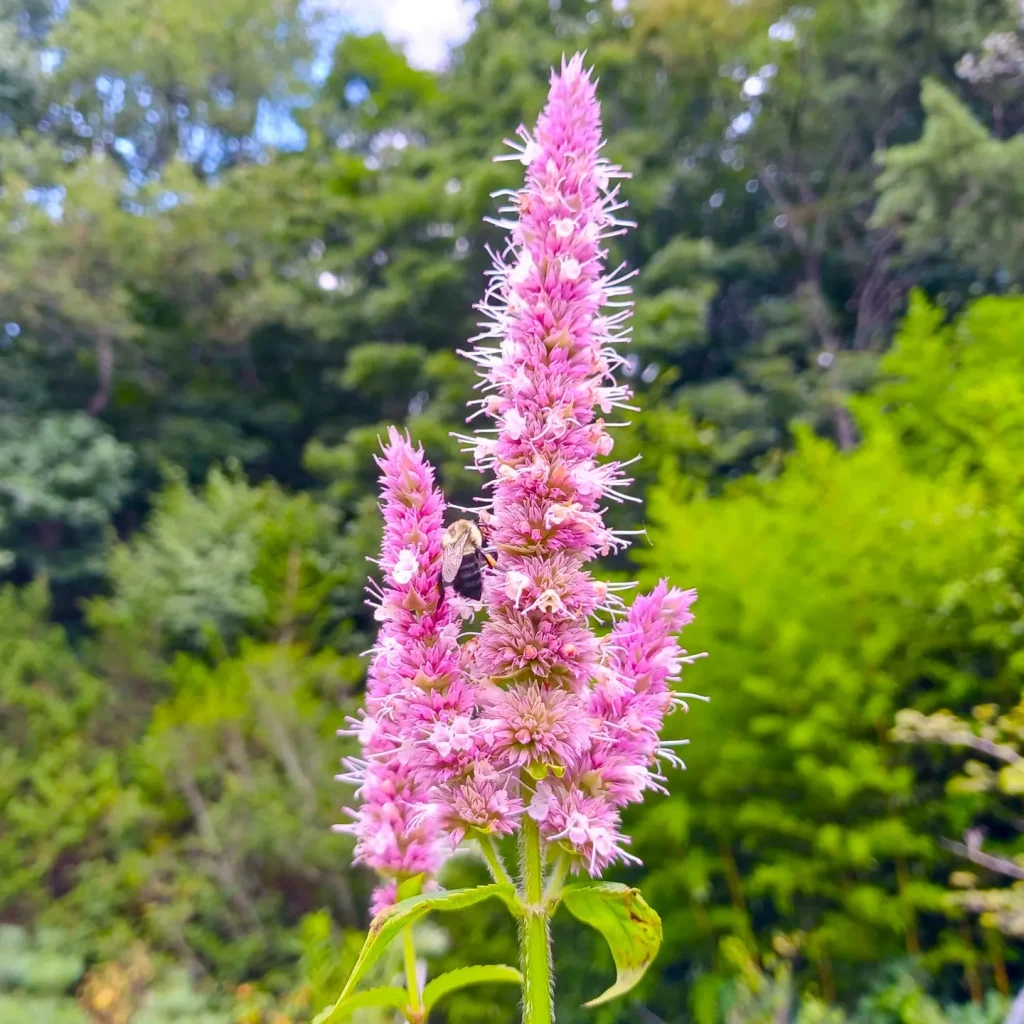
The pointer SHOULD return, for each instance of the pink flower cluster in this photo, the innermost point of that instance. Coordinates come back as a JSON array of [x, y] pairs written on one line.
[[536, 714], [415, 663]]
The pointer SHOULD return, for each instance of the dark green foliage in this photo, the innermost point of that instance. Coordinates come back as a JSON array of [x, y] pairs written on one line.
[[62, 479], [957, 191]]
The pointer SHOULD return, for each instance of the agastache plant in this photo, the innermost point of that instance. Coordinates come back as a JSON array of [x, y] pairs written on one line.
[[536, 725]]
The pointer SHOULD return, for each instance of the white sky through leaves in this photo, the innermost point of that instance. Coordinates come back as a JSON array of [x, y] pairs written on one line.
[[425, 29]]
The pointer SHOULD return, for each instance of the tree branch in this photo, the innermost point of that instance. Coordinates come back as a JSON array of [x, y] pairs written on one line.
[[104, 375], [973, 852]]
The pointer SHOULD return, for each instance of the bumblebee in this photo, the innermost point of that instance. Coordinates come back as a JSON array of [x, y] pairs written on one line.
[[463, 558]]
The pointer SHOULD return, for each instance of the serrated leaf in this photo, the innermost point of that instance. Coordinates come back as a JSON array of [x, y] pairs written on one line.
[[389, 923], [631, 928], [479, 974], [386, 998]]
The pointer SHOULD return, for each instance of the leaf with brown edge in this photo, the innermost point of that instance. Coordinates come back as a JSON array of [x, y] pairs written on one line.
[[629, 925]]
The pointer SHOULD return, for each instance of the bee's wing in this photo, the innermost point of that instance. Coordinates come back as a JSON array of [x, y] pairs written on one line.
[[451, 559]]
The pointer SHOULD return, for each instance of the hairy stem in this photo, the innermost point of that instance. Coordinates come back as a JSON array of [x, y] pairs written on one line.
[[493, 858], [411, 981], [534, 940], [556, 880]]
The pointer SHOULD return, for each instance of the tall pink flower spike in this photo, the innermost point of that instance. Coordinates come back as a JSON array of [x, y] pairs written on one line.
[[587, 711], [536, 714]]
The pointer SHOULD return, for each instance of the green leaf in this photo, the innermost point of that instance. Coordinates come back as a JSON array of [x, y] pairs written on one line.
[[631, 928], [389, 997], [388, 924], [479, 974], [410, 887]]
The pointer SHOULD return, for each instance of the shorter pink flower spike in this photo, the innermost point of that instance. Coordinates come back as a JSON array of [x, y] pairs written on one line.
[[415, 661], [395, 825]]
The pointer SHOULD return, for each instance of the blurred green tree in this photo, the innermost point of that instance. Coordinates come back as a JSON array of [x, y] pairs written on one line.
[[221, 638], [957, 192], [907, 554], [60, 778], [62, 479]]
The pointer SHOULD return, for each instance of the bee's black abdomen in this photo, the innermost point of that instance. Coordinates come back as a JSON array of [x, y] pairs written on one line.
[[468, 581]]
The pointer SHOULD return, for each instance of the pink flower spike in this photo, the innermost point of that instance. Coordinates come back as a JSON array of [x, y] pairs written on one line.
[[589, 711], [535, 713], [396, 827]]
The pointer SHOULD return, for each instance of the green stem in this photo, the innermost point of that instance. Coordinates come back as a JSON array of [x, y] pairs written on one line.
[[556, 880], [411, 981], [493, 858], [534, 940]]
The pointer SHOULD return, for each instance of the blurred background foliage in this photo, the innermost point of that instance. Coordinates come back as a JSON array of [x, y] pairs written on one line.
[[236, 240]]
